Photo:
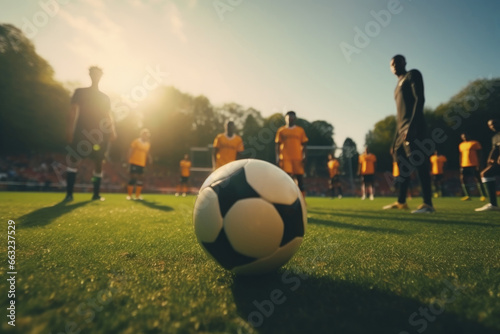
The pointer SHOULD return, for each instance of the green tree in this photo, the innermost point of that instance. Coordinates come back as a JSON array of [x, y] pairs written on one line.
[[379, 141], [33, 105]]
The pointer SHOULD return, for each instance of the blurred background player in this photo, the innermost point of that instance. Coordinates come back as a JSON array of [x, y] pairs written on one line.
[[333, 170], [366, 168], [470, 154], [89, 128], [227, 146], [488, 175], [137, 156], [185, 166], [437, 170], [290, 149]]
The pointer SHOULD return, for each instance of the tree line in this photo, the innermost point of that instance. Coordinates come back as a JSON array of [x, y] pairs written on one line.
[[34, 107]]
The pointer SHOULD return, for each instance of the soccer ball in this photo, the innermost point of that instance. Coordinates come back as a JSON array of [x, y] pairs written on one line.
[[250, 216]]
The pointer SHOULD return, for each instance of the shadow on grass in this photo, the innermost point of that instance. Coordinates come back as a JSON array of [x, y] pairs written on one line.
[[155, 205], [387, 215], [45, 216], [290, 303], [363, 228]]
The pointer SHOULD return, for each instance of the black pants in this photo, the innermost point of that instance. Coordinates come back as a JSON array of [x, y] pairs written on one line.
[[410, 160]]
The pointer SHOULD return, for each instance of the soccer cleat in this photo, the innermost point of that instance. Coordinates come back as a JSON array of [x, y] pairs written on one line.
[[139, 198], [183, 194], [340, 197], [465, 198], [482, 198], [372, 197], [68, 198], [128, 198], [396, 205], [488, 207], [176, 194], [98, 198], [363, 197], [424, 208]]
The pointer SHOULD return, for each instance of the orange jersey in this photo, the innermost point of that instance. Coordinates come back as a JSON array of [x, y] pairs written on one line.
[[437, 163], [333, 167], [291, 142], [185, 168], [395, 169], [227, 148], [468, 152], [139, 153], [367, 162]]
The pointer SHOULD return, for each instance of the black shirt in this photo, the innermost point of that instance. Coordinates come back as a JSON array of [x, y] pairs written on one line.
[[94, 107], [495, 147], [409, 96]]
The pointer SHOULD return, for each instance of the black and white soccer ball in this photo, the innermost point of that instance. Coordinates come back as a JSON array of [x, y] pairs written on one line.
[[250, 216]]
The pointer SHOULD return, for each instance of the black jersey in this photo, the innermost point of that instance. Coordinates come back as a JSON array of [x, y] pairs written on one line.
[[94, 106], [495, 147], [409, 96]]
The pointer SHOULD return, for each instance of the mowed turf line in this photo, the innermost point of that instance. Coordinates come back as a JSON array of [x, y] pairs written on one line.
[[135, 267]]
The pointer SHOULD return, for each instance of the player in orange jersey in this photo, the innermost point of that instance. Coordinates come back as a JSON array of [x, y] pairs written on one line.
[[185, 166], [333, 170], [290, 149], [227, 146], [366, 169], [437, 170], [137, 156], [470, 154]]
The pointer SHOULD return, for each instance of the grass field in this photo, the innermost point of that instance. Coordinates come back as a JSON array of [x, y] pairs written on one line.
[[135, 267]]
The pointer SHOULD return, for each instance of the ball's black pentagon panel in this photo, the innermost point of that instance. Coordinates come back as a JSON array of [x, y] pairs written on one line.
[[233, 189], [293, 220], [225, 254]]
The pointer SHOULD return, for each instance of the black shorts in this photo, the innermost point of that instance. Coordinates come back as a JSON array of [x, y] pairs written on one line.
[[491, 171], [437, 177], [184, 179], [369, 178], [83, 148], [335, 179], [135, 169], [469, 171]]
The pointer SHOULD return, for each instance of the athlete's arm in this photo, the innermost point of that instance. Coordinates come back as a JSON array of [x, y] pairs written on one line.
[[417, 86], [304, 152], [277, 152], [74, 112]]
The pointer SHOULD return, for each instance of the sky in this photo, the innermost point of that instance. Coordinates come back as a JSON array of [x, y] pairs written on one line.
[[325, 59]]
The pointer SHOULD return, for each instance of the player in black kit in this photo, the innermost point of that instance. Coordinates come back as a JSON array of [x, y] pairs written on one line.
[[89, 128], [410, 129], [492, 169]]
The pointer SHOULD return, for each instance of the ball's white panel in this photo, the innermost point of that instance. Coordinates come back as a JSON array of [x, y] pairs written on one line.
[[271, 182], [206, 216], [223, 172], [272, 262], [254, 227]]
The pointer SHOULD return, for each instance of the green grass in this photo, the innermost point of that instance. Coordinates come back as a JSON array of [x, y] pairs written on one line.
[[135, 267]]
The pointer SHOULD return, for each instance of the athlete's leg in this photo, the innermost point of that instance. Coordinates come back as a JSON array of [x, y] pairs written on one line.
[[477, 178], [462, 182], [488, 176], [425, 181], [97, 177]]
